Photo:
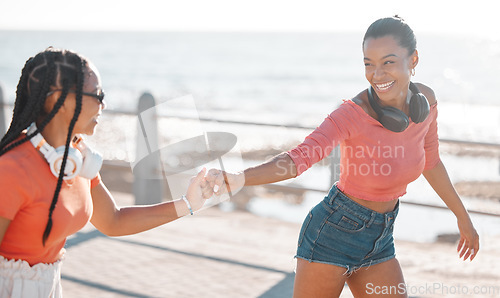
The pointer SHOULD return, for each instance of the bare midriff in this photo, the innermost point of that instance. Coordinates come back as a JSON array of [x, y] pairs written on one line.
[[380, 207]]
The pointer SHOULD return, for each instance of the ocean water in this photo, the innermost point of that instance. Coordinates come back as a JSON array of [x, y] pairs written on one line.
[[287, 78], [276, 75]]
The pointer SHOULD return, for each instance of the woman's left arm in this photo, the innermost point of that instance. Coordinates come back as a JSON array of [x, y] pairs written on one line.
[[112, 220], [438, 178]]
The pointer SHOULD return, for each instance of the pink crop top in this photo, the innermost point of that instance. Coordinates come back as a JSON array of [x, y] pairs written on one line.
[[376, 164]]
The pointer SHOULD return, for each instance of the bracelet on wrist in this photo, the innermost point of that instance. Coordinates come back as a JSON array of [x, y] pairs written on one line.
[[188, 204]]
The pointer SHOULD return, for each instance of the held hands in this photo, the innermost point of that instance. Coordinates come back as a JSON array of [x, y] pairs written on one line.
[[198, 191], [216, 182], [468, 246], [223, 182]]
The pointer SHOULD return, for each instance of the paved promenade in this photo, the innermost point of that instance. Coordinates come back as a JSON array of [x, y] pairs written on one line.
[[237, 254]]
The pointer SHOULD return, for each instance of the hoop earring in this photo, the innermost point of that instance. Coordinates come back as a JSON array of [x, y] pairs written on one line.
[[412, 72]]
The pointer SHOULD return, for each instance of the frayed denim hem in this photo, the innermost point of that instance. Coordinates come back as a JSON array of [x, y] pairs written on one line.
[[350, 269]]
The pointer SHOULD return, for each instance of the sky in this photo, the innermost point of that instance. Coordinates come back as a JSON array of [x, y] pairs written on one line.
[[478, 17]]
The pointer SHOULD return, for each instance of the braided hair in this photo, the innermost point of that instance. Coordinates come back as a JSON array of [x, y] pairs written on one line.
[[50, 69]]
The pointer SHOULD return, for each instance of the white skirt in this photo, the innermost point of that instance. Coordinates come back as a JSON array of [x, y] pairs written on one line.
[[18, 279]]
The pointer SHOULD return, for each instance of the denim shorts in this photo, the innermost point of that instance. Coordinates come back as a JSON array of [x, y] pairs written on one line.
[[340, 232]]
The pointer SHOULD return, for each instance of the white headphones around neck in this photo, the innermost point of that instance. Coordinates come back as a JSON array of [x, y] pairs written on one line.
[[83, 162]]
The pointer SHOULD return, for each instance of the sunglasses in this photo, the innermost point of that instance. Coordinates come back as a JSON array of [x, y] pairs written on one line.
[[99, 97]]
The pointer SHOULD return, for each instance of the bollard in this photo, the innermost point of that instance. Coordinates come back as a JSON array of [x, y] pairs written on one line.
[[148, 175], [3, 127]]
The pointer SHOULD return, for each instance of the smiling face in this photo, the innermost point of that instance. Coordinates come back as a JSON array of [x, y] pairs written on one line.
[[388, 68]]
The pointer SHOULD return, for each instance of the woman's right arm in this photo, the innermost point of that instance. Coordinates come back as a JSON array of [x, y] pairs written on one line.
[[112, 220], [16, 186], [279, 168], [4, 224]]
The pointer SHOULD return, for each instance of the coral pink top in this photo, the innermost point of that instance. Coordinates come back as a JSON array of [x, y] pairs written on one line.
[[27, 187], [376, 164]]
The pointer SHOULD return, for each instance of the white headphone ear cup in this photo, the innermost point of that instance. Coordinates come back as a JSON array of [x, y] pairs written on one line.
[[73, 163], [92, 162]]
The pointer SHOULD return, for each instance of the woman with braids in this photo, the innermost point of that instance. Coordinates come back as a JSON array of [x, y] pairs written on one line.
[[388, 138], [59, 97]]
